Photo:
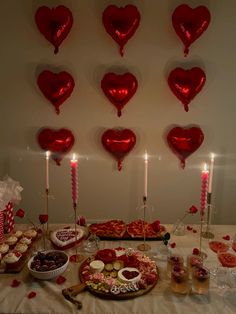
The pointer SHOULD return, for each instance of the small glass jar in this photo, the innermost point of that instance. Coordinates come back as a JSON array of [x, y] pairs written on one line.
[[200, 280], [174, 260], [193, 261], [179, 280]]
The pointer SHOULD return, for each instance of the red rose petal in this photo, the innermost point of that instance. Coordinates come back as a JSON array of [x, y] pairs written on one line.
[[173, 245], [226, 237], [15, 283], [31, 295], [194, 231], [73, 258], [196, 251], [60, 280], [189, 228]]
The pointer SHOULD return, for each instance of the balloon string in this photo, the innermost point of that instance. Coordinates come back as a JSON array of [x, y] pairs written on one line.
[[182, 163], [186, 108], [58, 161], [122, 51], [119, 113], [119, 165], [56, 50], [186, 51], [57, 110]]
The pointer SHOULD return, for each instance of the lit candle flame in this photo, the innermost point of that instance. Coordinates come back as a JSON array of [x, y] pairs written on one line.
[[74, 158], [146, 156], [212, 156], [47, 154], [205, 167]]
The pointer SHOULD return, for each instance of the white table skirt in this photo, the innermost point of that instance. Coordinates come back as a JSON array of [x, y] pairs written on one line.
[[160, 300]]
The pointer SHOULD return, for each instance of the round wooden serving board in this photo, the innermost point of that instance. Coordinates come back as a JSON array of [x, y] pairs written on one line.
[[109, 295]]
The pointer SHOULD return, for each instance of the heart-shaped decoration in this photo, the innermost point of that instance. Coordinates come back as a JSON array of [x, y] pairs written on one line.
[[121, 23], [65, 238], [186, 84], [54, 24], [119, 89], [189, 24], [119, 142], [57, 142], [184, 141], [56, 87]]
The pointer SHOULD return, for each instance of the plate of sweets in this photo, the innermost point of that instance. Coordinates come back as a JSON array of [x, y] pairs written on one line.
[[116, 274], [16, 248]]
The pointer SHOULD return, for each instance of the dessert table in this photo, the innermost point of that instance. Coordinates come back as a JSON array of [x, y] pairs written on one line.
[[160, 299]]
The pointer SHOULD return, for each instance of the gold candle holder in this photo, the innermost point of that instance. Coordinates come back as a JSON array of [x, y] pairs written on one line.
[[144, 246]]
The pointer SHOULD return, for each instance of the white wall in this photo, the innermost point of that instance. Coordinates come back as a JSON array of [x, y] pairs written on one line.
[[88, 53]]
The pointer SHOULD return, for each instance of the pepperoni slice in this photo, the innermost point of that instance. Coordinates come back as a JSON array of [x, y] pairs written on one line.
[[227, 259], [217, 246]]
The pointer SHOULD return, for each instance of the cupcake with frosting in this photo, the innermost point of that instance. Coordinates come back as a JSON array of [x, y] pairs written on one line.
[[30, 233], [12, 259], [4, 248], [17, 233], [26, 241], [22, 248], [11, 241]]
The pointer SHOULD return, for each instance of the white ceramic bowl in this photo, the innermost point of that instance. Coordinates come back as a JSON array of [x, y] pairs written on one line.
[[47, 275]]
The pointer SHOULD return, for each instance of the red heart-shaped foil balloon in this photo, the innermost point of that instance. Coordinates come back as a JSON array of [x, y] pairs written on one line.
[[119, 142], [186, 84], [56, 87], [189, 24], [121, 23], [54, 24], [184, 141], [58, 142], [119, 89]]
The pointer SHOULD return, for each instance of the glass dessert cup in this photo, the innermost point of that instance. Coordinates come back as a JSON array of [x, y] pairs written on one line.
[[174, 260], [193, 261], [200, 280], [179, 280]]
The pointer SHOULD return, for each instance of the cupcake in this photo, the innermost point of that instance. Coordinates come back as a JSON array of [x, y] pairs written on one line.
[[11, 241], [4, 248], [12, 259], [25, 240], [17, 234], [22, 248], [31, 233]]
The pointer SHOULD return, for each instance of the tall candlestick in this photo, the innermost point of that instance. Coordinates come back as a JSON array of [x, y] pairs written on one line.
[[47, 169], [74, 179], [204, 186], [211, 173], [145, 175]]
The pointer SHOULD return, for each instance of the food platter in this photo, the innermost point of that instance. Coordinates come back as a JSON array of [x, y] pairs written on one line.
[[118, 230], [116, 274]]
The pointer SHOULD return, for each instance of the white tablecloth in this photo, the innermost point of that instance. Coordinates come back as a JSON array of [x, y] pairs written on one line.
[[160, 300]]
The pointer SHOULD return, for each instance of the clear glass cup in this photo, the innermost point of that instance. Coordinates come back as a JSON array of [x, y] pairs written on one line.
[[193, 261], [200, 280], [179, 280], [178, 228], [92, 244], [174, 260]]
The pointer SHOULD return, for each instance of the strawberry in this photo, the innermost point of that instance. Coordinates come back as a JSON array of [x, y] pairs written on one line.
[[20, 213], [226, 237]]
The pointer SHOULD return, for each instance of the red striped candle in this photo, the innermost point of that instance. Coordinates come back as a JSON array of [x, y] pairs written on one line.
[[74, 179], [204, 187]]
